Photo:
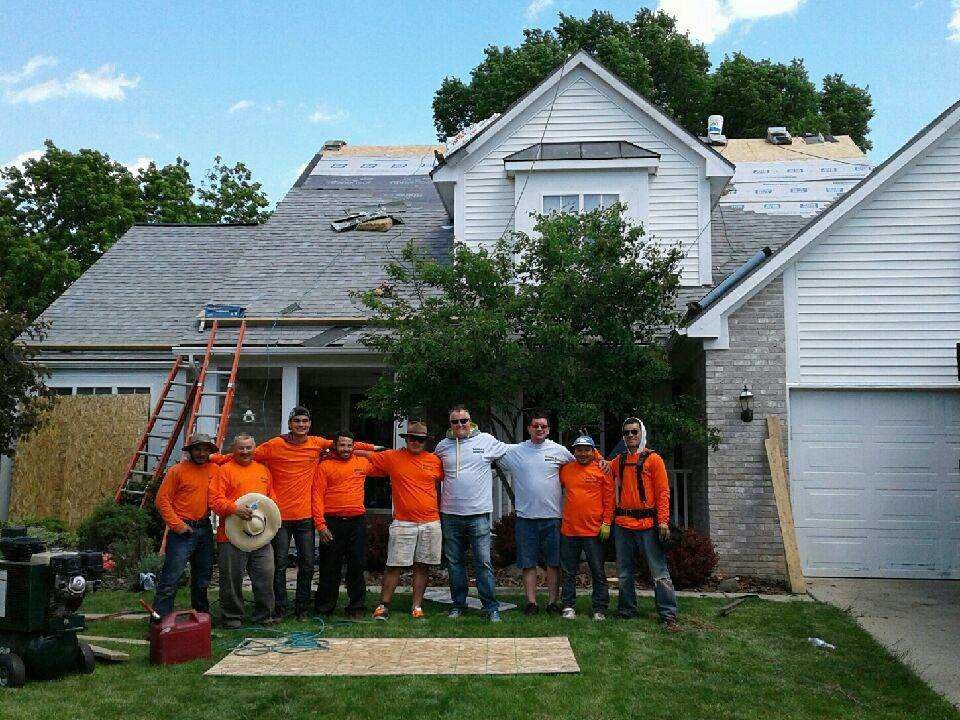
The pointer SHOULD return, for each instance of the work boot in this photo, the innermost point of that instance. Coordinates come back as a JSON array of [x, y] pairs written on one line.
[[531, 608], [569, 614]]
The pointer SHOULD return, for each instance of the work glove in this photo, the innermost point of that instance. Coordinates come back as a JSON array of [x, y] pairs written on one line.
[[604, 532]]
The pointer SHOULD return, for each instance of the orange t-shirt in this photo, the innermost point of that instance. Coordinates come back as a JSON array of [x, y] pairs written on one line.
[[292, 467], [656, 487], [589, 499], [183, 493], [236, 480], [413, 482], [338, 488]]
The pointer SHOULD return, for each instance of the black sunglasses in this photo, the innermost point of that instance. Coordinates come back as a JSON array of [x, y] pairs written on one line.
[[414, 438], [460, 421], [627, 433]]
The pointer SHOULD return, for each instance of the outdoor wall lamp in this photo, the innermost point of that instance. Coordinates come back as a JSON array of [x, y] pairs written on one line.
[[249, 417], [746, 404]]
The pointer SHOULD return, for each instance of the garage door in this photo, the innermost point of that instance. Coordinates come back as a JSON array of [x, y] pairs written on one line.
[[875, 483]]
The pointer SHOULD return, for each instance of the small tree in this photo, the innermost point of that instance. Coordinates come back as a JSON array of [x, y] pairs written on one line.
[[571, 317], [23, 394]]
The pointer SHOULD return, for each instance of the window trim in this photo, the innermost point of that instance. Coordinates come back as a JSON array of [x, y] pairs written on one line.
[[580, 200]]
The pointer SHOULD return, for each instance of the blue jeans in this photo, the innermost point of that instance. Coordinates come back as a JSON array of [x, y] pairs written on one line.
[[537, 538], [458, 532], [629, 543], [571, 549], [196, 548], [303, 537]]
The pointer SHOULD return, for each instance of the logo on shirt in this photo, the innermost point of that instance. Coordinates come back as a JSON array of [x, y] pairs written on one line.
[[478, 451]]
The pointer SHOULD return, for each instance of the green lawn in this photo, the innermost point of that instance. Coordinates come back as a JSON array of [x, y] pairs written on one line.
[[755, 663]]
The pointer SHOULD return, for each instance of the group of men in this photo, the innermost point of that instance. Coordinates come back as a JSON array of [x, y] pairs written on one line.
[[567, 505]]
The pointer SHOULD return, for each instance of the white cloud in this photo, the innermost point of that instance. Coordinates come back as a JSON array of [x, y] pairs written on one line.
[[104, 83], [29, 69], [535, 7], [706, 20], [240, 105], [20, 160], [141, 163], [954, 25], [324, 114]]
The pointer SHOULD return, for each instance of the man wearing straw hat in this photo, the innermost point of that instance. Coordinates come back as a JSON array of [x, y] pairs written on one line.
[[242, 497], [182, 503], [415, 536]]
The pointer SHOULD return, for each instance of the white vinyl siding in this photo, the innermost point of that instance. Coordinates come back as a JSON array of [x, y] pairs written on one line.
[[587, 109], [877, 300]]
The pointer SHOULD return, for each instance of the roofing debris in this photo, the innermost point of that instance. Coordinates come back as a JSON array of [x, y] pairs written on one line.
[[366, 221], [759, 150]]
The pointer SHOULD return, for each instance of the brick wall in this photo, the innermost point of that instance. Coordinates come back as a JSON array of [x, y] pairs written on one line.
[[742, 513]]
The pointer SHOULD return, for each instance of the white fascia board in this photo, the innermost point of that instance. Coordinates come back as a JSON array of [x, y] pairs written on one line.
[[716, 165], [709, 322], [515, 166]]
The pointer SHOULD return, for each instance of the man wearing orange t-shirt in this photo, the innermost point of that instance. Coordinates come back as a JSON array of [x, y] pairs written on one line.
[[415, 536], [340, 517], [238, 477], [642, 522], [292, 460], [587, 514], [182, 503]]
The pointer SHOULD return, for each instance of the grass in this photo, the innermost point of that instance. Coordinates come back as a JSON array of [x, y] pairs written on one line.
[[755, 663]]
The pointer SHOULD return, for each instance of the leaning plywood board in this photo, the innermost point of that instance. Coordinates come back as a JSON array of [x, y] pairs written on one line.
[[77, 457], [781, 494], [412, 656]]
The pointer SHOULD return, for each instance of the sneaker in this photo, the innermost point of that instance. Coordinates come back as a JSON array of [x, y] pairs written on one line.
[[553, 607], [531, 608], [599, 616], [417, 613], [569, 614], [381, 613], [455, 614], [494, 616]]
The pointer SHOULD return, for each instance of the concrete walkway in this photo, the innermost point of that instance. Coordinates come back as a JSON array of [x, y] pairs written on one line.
[[918, 620]]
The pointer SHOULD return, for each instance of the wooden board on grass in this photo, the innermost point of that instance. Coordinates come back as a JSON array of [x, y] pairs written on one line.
[[410, 656]]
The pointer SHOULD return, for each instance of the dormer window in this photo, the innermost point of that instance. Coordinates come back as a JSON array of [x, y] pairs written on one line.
[[586, 202]]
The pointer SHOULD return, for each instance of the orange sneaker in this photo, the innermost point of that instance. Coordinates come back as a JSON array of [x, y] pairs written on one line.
[[381, 613], [417, 613]]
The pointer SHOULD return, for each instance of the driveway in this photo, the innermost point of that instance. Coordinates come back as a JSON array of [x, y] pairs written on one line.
[[917, 619]]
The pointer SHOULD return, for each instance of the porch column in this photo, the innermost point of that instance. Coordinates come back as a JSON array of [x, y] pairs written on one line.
[[289, 393], [6, 472]]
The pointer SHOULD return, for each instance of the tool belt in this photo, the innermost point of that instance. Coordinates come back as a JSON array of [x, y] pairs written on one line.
[[639, 514]]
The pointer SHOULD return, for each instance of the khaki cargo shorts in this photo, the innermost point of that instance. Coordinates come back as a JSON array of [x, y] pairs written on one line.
[[412, 542]]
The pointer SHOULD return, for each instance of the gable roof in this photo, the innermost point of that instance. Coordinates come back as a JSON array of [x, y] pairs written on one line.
[[716, 163], [148, 289], [708, 322]]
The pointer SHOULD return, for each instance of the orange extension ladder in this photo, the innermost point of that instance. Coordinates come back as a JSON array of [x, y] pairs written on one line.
[[171, 415]]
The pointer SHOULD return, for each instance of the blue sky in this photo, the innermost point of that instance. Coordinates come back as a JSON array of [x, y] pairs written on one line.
[[267, 84]]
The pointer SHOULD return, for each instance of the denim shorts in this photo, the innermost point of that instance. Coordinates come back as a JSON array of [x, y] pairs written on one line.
[[538, 538]]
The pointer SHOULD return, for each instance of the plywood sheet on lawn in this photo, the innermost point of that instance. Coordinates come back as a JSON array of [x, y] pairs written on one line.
[[412, 656]]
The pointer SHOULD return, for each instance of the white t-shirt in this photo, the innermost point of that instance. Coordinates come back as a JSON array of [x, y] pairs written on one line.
[[535, 468], [467, 478]]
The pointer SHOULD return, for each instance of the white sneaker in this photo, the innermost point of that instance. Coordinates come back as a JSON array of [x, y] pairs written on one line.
[[569, 614], [599, 616]]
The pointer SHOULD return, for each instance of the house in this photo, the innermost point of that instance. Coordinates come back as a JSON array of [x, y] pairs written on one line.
[[580, 139], [850, 333]]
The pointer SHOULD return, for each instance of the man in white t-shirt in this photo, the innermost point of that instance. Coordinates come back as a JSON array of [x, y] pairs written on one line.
[[466, 501], [535, 467]]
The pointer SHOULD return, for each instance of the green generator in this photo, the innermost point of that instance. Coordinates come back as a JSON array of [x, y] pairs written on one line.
[[40, 592]]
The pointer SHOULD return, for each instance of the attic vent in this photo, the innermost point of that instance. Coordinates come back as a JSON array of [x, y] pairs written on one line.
[[779, 136], [334, 144]]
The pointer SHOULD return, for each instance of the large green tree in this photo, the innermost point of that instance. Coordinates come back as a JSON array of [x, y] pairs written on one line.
[[62, 211], [569, 317], [650, 54], [23, 394]]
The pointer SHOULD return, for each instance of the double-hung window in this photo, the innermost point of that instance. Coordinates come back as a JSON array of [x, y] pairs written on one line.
[[578, 203]]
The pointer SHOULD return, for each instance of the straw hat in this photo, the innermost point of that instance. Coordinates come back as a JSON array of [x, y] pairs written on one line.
[[253, 534]]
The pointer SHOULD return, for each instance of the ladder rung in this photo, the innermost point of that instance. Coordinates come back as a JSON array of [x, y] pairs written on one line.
[[133, 492], [182, 384], [211, 394], [158, 437], [173, 400], [218, 372], [141, 472], [144, 452], [206, 416], [170, 419]]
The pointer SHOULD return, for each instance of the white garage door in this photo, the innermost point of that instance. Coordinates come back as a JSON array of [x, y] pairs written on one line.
[[875, 483]]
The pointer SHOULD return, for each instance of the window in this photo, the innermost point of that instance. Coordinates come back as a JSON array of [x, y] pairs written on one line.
[[94, 391], [68, 390], [62, 390], [578, 203], [133, 391]]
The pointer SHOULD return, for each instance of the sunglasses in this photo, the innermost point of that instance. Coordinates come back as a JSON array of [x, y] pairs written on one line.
[[460, 421], [540, 427], [628, 433], [414, 438]]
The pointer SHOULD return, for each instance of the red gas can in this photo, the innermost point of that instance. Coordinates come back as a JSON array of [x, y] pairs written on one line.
[[180, 637]]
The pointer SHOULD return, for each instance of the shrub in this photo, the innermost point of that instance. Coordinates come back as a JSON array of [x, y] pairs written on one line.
[[692, 562], [110, 523], [503, 551], [378, 535]]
